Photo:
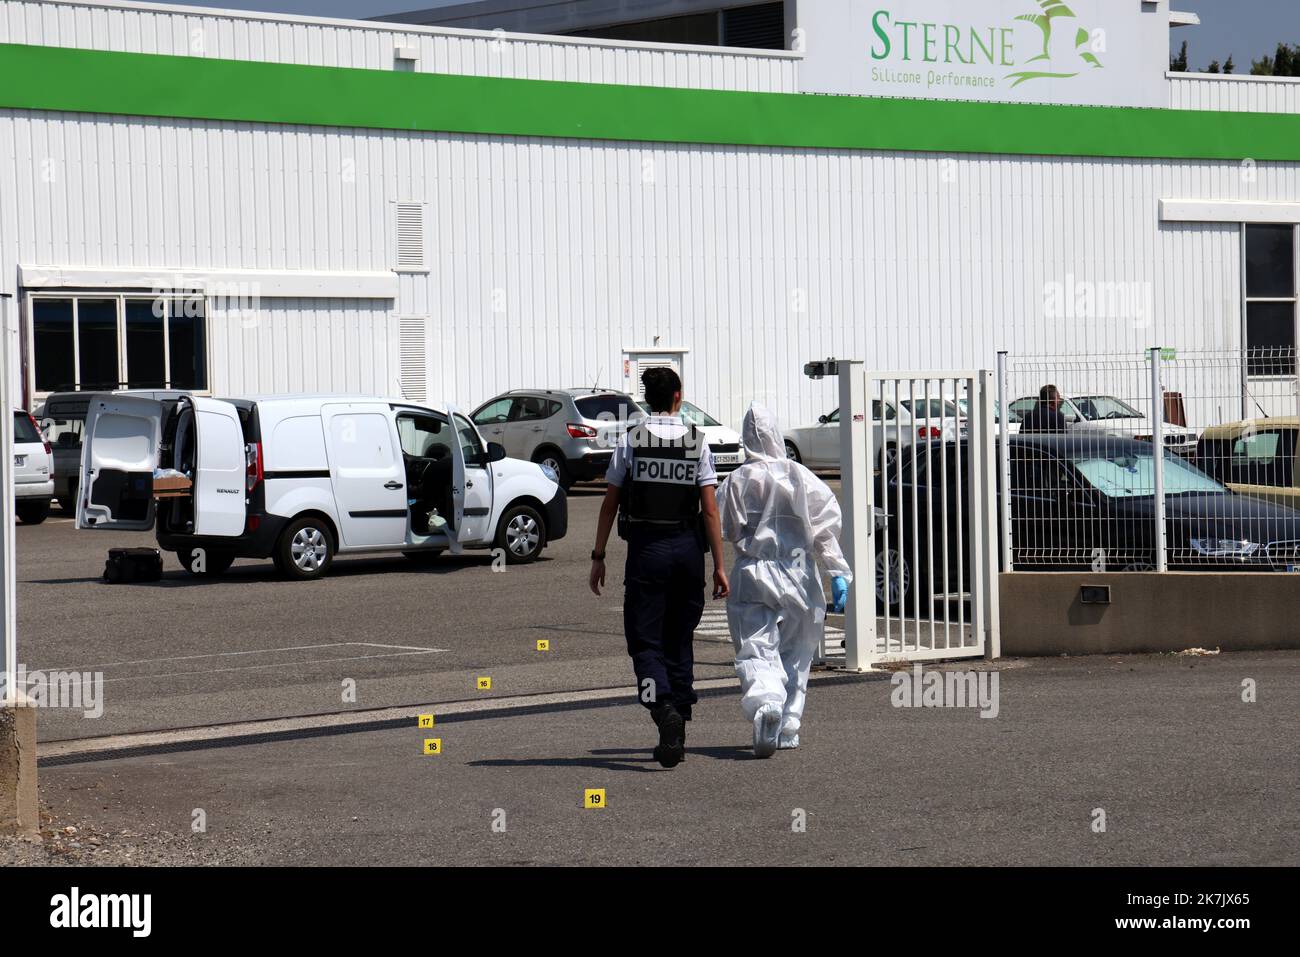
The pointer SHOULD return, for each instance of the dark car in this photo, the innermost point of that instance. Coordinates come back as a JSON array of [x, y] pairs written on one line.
[[1077, 502]]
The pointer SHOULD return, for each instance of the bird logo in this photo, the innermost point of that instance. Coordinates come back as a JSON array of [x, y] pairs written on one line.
[[1051, 11]]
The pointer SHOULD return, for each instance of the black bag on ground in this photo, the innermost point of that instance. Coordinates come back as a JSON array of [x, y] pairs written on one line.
[[133, 565]]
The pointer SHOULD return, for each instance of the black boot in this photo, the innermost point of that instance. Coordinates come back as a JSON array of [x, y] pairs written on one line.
[[672, 735]]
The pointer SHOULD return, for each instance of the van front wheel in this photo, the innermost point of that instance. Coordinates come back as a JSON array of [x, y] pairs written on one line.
[[305, 549], [521, 534]]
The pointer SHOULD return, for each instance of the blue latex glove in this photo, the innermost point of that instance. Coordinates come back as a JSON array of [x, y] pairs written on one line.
[[839, 594]]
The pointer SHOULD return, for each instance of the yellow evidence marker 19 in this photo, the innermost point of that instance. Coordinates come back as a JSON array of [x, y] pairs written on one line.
[[593, 797], [425, 721], [433, 745], [484, 684], [543, 644]]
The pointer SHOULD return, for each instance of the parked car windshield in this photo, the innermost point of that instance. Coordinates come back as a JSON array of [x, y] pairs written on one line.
[[694, 415], [24, 431], [1125, 475], [613, 408], [1097, 407], [934, 409]]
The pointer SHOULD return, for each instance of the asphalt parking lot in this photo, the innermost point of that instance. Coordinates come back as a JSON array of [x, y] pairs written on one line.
[[186, 652], [1185, 772]]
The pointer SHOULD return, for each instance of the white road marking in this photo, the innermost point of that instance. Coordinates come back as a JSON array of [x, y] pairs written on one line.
[[254, 651], [285, 664], [396, 651]]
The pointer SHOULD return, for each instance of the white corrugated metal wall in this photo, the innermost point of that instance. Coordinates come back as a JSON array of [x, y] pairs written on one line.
[[236, 35], [548, 258], [1237, 94]]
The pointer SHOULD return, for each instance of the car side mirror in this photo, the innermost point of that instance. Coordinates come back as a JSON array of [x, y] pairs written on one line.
[[823, 419], [495, 452]]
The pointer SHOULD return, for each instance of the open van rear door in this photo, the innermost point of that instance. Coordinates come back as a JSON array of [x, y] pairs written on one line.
[[220, 468], [119, 454], [471, 484]]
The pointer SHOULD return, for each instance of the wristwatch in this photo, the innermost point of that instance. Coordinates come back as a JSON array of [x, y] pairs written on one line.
[[597, 556]]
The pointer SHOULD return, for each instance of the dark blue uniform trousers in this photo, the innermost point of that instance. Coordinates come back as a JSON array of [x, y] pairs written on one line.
[[662, 603]]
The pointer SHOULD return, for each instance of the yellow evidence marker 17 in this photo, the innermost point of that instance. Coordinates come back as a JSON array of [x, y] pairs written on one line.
[[593, 797], [425, 721], [484, 684], [433, 745]]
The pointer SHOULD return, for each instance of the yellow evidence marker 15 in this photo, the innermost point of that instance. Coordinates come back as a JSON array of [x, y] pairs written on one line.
[[425, 721], [484, 684], [593, 797], [543, 644], [433, 745]]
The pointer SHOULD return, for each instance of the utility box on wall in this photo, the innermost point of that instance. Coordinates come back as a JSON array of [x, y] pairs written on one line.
[[636, 361]]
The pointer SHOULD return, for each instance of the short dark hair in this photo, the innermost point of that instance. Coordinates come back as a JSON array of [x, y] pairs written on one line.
[[661, 384], [1048, 393]]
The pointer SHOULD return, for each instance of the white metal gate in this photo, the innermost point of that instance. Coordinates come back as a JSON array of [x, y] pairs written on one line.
[[918, 453]]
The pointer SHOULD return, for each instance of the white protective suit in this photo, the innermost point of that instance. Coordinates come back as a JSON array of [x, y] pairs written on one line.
[[784, 523]]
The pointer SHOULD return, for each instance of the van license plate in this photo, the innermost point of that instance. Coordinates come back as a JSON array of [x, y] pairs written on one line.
[[726, 459]]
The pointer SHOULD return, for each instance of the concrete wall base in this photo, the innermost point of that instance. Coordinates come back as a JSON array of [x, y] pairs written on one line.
[[19, 805], [1042, 613]]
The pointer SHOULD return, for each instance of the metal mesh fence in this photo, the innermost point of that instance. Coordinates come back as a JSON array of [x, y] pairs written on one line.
[[1085, 488]]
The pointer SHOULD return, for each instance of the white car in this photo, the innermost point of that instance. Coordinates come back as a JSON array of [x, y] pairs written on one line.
[[299, 479], [33, 471], [724, 443], [1112, 416], [818, 446]]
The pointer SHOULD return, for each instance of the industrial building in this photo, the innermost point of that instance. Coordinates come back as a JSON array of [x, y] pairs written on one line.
[[244, 203]]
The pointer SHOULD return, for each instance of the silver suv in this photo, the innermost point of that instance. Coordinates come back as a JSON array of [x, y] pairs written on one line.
[[572, 431]]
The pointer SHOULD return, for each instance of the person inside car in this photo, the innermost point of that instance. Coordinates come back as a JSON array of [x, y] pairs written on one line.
[[1046, 415]]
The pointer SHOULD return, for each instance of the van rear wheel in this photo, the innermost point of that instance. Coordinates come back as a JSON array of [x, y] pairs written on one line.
[[305, 549], [33, 513], [521, 534]]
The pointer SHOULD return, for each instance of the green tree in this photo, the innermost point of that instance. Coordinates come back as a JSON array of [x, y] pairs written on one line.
[[1178, 64], [1214, 67], [1285, 62], [1231, 66]]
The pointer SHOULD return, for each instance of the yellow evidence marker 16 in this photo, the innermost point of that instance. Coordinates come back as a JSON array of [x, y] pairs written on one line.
[[484, 684]]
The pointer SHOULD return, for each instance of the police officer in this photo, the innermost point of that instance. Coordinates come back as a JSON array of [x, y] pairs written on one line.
[[661, 490]]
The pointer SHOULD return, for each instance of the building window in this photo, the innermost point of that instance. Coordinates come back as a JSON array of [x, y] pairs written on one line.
[[1271, 300], [115, 341]]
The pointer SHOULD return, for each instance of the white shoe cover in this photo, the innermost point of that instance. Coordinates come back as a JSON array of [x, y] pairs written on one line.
[[767, 730]]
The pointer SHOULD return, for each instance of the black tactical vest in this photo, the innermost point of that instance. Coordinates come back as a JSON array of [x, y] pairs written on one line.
[[662, 488]]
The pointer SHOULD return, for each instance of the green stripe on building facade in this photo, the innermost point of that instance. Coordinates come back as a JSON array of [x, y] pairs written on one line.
[[89, 81]]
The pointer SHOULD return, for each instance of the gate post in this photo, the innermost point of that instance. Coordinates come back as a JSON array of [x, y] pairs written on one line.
[[990, 536], [1158, 460], [856, 539], [1002, 441]]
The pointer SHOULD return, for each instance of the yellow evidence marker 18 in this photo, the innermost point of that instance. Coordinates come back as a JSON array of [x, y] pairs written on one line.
[[593, 797], [484, 684], [425, 721], [543, 644], [433, 745]]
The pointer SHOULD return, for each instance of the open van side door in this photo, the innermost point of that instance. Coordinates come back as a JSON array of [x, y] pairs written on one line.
[[119, 454], [220, 468], [471, 482]]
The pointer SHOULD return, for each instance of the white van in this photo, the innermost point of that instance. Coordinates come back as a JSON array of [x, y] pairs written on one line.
[[299, 479]]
